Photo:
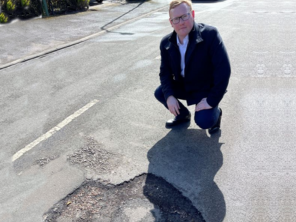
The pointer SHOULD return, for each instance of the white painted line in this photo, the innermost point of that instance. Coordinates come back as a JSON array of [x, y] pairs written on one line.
[[53, 130]]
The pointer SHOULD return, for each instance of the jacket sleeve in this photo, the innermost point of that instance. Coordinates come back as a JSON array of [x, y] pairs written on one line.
[[165, 74], [221, 69]]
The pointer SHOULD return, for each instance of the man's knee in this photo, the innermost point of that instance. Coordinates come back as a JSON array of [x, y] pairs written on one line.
[[159, 94], [204, 122]]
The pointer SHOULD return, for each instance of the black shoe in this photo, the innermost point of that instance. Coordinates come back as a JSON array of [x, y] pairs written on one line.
[[216, 127], [177, 120]]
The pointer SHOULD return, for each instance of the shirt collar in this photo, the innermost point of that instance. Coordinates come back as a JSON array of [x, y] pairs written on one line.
[[194, 36], [185, 40]]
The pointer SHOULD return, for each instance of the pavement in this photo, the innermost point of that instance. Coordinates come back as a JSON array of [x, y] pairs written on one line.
[[28, 39]]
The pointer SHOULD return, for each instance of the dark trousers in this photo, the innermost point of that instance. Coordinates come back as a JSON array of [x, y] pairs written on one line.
[[205, 119]]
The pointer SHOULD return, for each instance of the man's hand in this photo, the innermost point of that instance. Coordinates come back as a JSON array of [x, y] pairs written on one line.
[[173, 105], [203, 104]]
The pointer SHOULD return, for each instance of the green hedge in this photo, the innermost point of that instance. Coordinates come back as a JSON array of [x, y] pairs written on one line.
[[11, 9], [78, 4], [59, 6]]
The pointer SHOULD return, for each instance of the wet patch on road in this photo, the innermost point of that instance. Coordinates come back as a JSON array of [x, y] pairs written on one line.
[[144, 198]]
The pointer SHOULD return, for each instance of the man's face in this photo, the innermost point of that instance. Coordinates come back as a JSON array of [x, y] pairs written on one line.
[[183, 27]]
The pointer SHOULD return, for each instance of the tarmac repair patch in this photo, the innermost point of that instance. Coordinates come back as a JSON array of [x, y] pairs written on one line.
[[93, 158], [145, 198]]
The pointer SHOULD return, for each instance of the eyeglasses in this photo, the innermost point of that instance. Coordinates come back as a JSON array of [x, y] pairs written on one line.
[[184, 17]]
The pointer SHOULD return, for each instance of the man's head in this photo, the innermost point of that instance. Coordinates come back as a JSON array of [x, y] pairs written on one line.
[[181, 17]]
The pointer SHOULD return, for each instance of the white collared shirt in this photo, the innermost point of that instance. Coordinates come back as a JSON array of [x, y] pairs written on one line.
[[182, 48]]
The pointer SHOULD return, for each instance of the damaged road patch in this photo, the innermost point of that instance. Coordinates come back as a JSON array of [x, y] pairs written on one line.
[[145, 198], [45, 160], [93, 158]]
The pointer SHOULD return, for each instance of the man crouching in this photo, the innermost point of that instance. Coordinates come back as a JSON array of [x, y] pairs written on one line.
[[194, 67]]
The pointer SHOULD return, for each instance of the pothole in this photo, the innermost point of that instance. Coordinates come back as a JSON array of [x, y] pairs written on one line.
[[145, 198]]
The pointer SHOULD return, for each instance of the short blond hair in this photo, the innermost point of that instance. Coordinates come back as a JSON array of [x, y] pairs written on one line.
[[175, 3]]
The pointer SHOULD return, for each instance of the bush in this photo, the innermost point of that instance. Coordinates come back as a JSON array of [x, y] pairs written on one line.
[[23, 9], [25, 3], [78, 4], [83, 4], [3, 18], [10, 6], [20, 9]]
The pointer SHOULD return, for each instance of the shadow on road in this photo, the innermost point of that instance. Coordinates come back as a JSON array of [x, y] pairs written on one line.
[[189, 159]]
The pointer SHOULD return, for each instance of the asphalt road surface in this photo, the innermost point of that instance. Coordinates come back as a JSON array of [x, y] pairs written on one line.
[[87, 113]]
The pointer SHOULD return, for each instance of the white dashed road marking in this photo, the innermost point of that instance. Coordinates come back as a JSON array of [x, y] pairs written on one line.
[[53, 130]]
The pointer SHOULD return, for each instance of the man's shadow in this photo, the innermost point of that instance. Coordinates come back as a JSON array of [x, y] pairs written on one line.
[[181, 174]]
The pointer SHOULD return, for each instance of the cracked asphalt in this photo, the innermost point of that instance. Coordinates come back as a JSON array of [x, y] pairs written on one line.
[[113, 159]]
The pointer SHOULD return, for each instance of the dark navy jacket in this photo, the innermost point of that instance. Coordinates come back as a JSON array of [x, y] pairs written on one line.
[[207, 67]]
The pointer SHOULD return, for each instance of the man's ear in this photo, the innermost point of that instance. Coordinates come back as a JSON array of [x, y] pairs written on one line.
[[193, 13]]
